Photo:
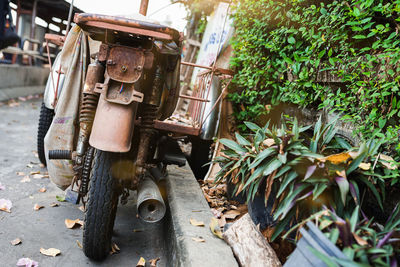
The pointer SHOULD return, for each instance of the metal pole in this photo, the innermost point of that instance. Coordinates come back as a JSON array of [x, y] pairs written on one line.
[[33, 26], [144, 4], [71, 8]]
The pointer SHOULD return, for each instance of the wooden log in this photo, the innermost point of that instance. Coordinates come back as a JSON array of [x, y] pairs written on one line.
[[249, 246]]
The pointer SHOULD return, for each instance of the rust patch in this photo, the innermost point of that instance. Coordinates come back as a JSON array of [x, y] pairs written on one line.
[[125, 64], [103, 52], [109, 22], [148, 60]]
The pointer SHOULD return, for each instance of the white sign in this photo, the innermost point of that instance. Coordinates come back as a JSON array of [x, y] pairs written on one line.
[[216, 37]]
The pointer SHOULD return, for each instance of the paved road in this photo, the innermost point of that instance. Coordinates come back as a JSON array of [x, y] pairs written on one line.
[[45, 228]]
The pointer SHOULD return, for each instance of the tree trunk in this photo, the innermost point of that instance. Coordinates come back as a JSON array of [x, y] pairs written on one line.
[[249, 245]]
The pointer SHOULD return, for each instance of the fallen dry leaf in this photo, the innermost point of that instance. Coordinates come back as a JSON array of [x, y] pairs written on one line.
[[198, 239], [196, 223], [141, 262], [269, 142], [364, 166], [39, 176], [231, 214], [114, 249], [25, 179], [359, 240], [20, 173], [387, 162], [13, 103], [214, 227], [73, 223], [153, 262], [79, 244], [37, 207], [54, 204], [5, 205], [42, 190], [52, 252], [34, 172], [338, 158], [16, 241], [27, 262]]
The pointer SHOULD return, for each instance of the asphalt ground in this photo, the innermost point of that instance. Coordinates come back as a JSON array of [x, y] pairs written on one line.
[[45, 228]]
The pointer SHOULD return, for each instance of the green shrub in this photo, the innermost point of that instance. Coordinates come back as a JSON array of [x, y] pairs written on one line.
[[281, 46], [307, 172]]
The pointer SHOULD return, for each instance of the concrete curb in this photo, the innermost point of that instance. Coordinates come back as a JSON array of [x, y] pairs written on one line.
[[186, 201], [16, 81], [10, 93]]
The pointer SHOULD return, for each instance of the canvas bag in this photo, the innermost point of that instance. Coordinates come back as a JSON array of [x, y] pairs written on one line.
[[63, 130]]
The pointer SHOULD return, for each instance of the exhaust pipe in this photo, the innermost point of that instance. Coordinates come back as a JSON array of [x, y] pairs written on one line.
[[150, 204]]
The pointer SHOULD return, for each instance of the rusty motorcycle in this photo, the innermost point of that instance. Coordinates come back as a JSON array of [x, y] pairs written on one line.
[[126, 137], [133, 83]]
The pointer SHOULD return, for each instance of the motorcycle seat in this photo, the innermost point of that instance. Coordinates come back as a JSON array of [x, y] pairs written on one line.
[[99, 25]]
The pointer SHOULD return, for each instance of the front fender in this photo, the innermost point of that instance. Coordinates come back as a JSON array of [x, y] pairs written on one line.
[[113, 126]]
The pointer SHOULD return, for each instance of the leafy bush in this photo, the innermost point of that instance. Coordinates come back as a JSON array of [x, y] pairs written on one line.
[[364, 242], [329, 172], [283, 48]]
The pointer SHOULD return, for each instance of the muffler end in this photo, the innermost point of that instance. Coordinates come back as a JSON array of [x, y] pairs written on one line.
[[150, 204]]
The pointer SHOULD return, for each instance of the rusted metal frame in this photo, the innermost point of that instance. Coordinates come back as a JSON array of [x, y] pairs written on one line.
[[201, 106], [144, 4], [129, 23], [191, 103], [216, 102], [194, 98], [213, 72], [51, 68], [58, 82], [208, 90], [198, 106], [106, 25], [171, 127], [55, 88], [217, 70], [196, 93], [55, 38], [196, 65], [198, 109]]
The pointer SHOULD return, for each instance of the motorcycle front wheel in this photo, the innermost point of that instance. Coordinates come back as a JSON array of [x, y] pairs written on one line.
[[101, 208]]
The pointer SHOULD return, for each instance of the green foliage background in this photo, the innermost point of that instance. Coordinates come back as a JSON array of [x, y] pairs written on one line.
[[356, 41]]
